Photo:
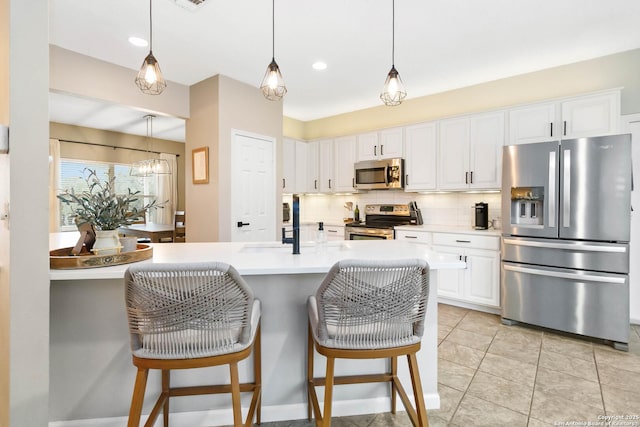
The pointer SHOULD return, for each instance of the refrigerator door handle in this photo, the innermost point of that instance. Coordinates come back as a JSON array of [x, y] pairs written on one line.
[[566, 189], [552, 189], [567, 246], [561, 275]]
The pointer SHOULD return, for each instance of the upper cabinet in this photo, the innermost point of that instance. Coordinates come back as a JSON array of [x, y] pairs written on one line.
[[326, 182], [384, 144], [470, 152], [420, 162], [345, 151], [288, 165], [589, 115]]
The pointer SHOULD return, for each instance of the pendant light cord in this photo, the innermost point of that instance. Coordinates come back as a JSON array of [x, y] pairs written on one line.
[[393, 33], [273, 29], [150, 27]]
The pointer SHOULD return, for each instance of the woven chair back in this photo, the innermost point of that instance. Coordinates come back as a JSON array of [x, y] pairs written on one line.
[[186, 310], [373, 303]]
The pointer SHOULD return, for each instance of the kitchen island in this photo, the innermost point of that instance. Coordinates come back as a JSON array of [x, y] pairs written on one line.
[[91, 374]]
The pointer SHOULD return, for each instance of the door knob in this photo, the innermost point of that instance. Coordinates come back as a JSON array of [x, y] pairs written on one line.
[[240, 223]]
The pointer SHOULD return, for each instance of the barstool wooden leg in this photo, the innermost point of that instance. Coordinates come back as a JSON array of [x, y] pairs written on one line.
[[328, 392], [165, 389], [235, 394], [138, 398], [394, 374], [423, 420], [309, 370], [257, 370]]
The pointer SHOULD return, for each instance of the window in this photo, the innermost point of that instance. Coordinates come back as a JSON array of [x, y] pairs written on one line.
[[72, 176]]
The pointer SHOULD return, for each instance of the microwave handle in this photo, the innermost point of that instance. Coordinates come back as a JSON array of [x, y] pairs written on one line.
[[386, 174]]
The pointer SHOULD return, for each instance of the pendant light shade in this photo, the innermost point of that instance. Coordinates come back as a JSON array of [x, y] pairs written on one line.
[[272, 85], [149, 78], [153, 166], [393, 92]]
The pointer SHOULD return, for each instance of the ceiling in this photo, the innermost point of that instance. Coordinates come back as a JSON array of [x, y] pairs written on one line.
[[439, 45]]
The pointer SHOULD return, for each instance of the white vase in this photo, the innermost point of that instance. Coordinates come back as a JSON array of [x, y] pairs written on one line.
[[107, 243]]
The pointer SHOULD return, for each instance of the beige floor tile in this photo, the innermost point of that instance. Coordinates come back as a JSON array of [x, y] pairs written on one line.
[[569, 346], [449, 319], [458, 311], [400, 419], [477, 412], [435, 421], [509, 394], [617, 359], [619, 378], [569, 387], [449, 401], [537, 423], [620, 402], [443, 331], [510, 369], [551, 408], [585, 369], [515, 348], [460, 354], [470, 339], [454, 375]]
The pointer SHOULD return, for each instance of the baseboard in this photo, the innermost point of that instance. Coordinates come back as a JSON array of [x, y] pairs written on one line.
[[222, 417], [476, 307]]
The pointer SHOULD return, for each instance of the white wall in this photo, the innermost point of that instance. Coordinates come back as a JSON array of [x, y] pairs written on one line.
[[631, 124]]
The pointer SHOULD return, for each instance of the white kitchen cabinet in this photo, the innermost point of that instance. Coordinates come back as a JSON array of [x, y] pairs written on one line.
[[470, 152], [345, 155], [312, 167], [326, 182], [421, 143], [334, 232], [288, 165], [417, 236], [479, 283], [576, 117], [384, 144]]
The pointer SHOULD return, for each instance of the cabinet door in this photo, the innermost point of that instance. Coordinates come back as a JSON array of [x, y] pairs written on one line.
[[453, 164], [368, 146], [345, 154], [486, 138], [591, 116], [334, 232], [302, 175], [390, 144], [420, 162], [450, 281], [288, 165], [482, 279], [533, 123], [313, 176], [325, 166], [423, 237]]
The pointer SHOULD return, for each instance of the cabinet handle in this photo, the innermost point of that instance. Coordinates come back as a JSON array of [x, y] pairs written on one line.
[[329, 182], [382, 149], [460, 257], [283, 183], [466, 177], [315, 184], [332, 231], [375, 150], [471, 176], [410, 237], [565, 128], [353, 182], [465, 258], [406, 179], [551, 127], [463, 241]]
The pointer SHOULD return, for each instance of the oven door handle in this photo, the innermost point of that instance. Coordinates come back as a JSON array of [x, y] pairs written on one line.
[[561, 275], [566, 246]]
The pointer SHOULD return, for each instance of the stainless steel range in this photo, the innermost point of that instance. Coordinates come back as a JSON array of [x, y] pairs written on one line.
[[380, 220]]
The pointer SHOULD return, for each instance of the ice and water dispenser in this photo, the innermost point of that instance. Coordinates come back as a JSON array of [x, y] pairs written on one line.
[[527, 206]]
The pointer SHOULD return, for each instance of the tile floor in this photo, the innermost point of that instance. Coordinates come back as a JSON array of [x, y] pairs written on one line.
[[495, 375]]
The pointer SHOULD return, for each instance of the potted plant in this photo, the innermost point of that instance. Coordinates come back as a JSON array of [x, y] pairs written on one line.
[[105, 210]]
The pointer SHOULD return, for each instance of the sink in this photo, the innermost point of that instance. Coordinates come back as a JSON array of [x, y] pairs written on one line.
[[275, 247]]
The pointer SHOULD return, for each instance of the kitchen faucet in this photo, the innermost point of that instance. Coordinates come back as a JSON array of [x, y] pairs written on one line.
[[295, 240]]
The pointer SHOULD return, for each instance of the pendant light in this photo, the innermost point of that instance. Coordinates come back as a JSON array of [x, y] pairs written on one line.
[[393, 91], [149, 79], [153, 166], [272, 85]]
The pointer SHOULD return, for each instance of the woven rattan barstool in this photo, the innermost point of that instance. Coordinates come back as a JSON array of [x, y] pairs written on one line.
[[191, 315], [367, 309]]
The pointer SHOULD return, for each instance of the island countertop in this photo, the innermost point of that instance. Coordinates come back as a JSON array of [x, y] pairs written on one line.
[[262, 258]]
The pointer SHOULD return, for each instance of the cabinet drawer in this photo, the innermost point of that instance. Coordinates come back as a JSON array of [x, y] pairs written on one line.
[[414, 236], [467, 240], [334, 232]]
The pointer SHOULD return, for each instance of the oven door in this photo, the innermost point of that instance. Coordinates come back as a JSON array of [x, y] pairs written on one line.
[[363, 233]]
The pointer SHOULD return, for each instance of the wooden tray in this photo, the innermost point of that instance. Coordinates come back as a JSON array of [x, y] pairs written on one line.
[[62, 258]]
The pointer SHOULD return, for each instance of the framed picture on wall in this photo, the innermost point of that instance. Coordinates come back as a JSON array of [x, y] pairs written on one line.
[[200, 165]]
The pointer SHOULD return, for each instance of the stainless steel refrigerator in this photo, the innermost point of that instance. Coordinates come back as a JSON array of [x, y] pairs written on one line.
[[566, 210]]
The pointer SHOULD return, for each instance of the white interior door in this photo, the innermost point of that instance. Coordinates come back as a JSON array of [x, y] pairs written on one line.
[[253, 187]]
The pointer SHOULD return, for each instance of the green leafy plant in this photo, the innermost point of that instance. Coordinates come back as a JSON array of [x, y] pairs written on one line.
[[102, 207]]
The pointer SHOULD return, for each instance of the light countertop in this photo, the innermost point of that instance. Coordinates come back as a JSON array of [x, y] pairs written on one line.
[[449, 229], [262, 258]]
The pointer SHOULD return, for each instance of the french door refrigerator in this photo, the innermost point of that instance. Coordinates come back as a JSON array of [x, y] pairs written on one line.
[[566, 209]]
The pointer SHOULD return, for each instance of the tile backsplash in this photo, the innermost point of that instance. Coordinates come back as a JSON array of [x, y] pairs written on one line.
[[453, 209]]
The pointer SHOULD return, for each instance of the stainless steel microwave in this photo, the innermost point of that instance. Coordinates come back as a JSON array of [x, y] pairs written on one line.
[[379, 174]]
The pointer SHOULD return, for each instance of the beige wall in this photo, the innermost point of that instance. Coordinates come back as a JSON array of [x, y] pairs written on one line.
[[218, 105], [619, 70], [107, 154]]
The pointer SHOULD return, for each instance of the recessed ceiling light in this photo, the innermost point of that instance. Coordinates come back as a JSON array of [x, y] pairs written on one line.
[[319, 65], [137, 41]]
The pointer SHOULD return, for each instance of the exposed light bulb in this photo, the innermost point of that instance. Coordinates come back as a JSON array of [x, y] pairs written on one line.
[[150, 74]]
